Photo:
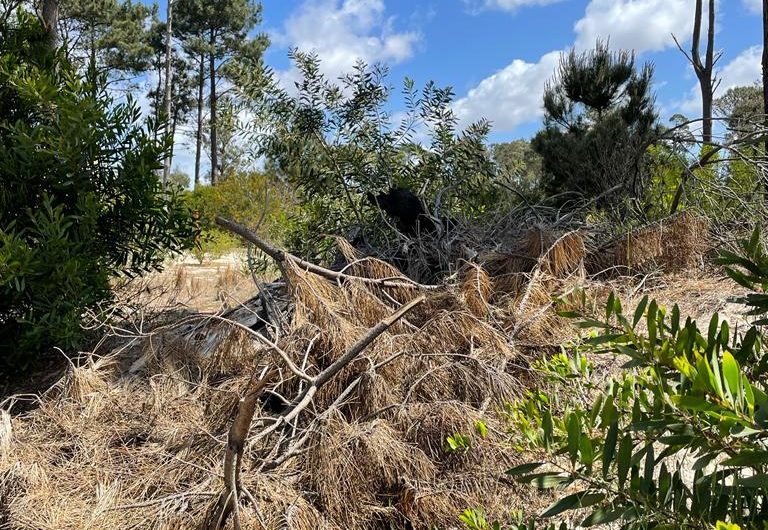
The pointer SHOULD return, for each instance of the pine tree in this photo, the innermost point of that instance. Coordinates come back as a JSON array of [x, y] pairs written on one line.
[[108, 35], [599, 121], [219, 32]]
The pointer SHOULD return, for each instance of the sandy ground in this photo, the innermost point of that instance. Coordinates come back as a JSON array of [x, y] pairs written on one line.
[[224, 281]]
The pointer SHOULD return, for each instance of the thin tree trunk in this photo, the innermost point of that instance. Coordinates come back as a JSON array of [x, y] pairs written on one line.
[[50, 13], [156, 97], [199, 135], [704, 70], [174, 120], [708, 83], [765, 75], [213, 102], [168, 79]]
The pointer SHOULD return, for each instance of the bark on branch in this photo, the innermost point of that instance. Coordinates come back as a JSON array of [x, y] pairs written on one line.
[[228, 501], [281, 256]]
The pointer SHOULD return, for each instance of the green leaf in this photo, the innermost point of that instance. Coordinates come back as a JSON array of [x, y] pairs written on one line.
[[609, 449], [609, 306], [732, 375], [748, 459], [712, 332], [651, 321], [548, 428], [694, 403], [624, 459], [739, 277], [586, 451], [754, 240], [675, 319], [603, 339], [704, 461], [725, 333], [747, 344], [603, 516], [677, 439], [639, 310], [650, 464], [574, 435], [524, 468], [759, 481], [749, 395], [546, 480], [481, 428], [573, 501]]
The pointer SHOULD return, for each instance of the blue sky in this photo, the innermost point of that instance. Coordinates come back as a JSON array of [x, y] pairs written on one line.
[[497, 54]]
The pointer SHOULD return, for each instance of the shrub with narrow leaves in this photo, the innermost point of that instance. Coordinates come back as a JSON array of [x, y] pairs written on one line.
[[678, 440], [335, 142]]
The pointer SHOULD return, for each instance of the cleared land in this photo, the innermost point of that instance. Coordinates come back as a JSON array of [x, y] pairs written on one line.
[[135, 434]]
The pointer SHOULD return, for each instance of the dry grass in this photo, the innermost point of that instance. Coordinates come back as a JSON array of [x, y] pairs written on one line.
[[134, 438], [674, 244]]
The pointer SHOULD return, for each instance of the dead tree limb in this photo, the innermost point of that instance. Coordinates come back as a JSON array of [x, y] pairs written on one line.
[[238, 433], [704, 69], [281, 256], [228, 501]]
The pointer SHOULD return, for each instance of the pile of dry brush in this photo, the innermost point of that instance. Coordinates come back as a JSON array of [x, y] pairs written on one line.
[[337, 418]]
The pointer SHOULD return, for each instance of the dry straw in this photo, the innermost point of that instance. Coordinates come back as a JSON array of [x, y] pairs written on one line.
[[110, 448], [673, 244]]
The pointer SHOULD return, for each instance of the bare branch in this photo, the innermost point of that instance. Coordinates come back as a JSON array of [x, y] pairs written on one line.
[[282, 256]]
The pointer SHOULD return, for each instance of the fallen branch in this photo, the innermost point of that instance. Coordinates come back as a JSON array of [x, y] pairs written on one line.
[[228, 501], [238, 432], [281, 256]]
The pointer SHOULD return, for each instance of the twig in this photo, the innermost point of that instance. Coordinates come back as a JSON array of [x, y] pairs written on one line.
[[282, 256]]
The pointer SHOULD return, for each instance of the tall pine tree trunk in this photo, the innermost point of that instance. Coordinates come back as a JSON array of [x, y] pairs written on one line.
[[174, 120], [168, 79], [199, 135], [213, 103]]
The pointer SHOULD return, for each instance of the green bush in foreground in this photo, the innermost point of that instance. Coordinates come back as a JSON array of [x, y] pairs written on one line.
[[80, 201], [678, 440]]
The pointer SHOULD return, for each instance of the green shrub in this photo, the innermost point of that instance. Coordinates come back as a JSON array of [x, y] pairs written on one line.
[[253, 198], [679, 439], [80, 201], [335, 142]]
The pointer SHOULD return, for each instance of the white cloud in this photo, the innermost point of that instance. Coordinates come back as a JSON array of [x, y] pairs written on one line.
[[511, 96], [755, 6], [506, 5], [343, 32], [744, 70], [641, 25]]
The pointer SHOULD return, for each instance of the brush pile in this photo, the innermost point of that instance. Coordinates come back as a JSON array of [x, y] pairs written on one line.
[[379, 404], [674, 244]]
